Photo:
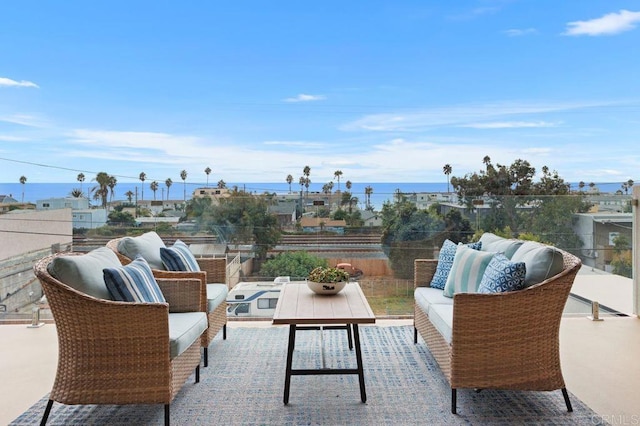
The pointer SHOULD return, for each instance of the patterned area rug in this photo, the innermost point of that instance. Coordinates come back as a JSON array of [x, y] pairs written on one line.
[[245, 379]]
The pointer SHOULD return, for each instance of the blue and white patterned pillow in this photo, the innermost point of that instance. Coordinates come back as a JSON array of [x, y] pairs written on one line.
[[502, 275], [467, 270], [445, 261], [179, 258], [133, 283]]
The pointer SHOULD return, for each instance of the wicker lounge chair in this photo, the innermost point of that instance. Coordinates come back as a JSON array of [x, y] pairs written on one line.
[[212, 270], [119, 352], [502, 340]]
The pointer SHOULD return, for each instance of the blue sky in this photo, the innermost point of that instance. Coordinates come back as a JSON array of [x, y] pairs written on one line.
[[385, 91]]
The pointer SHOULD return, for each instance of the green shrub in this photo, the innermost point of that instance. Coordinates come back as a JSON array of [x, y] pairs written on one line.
[[296, 264]]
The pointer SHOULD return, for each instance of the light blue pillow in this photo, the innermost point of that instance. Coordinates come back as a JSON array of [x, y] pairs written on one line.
[[146, 245], [133, 283], [502, 275], [467, 270], [445, 261], [84, 272], [178, 258]]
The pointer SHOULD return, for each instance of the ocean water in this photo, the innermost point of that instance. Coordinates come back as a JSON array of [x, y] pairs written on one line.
[[382, 192]]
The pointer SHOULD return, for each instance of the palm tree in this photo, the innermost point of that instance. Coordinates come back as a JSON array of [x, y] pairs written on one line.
[[208, 172], [154, 188], [23, 180], [486, 160], [581, 185], [301, 182], [129, 194], [337, 175], [76, 193], [289, 180], [80, 179], [222, 184], [112, 184], [367, 192], [183, 176], [168, 182], [101, 191], [143, 177], [447, 171], [348, 185], [307, 172]]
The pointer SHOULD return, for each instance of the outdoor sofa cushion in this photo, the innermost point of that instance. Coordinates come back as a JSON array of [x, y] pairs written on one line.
[[133, 283], [216, 294], [541, 261], [184, 329], [445, 261], [467, 270], [178, 258], [494, 243], [441, 316], [147, 245], [502, 275], [84, 272], [427, 296]]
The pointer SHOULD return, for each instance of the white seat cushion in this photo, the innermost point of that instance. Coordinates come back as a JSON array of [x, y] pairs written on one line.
[[427, 296], [216, 294], [184, 329], [441, 316]]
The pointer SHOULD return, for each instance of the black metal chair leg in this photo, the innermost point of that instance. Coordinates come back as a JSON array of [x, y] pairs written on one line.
[[198, 374], [453, 401], [166, 414], [566, 399], [349, 336], [206, 357], [224, 332], [46, 413], [415, 335]]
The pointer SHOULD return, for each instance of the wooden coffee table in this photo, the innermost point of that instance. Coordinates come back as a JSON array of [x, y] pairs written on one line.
[[302, 309]]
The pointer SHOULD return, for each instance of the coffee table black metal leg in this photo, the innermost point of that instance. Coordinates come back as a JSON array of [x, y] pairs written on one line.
[[287, 377], [349, 338], [356, 338]]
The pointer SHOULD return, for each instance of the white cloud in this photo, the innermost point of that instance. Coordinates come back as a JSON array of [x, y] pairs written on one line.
[[7, 82], [510, 124], [302, 97], [514, 32], [23, 120], [612, 23], [457, 116], [305, 144]]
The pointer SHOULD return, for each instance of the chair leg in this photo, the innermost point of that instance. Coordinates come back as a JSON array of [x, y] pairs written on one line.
[[46, 413], [453, 401], [224, 332], [206, 357], [166, 414], [566, 399], [198, 374]]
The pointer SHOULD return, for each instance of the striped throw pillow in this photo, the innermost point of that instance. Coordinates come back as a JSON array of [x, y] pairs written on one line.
[[133, 283], [467, 270], [178, 257]]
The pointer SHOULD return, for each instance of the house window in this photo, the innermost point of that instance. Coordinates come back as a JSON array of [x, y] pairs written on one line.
[[45, 204]]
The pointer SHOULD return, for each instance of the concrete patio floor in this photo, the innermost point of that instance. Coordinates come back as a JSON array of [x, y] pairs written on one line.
[[599, 360]]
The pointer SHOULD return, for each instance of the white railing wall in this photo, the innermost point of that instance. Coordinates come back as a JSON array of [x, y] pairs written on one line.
[[636, 249], [233, 271]]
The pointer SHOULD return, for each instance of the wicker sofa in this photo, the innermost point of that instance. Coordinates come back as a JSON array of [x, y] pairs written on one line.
[[507, 340], [212, 274], [113, 352]]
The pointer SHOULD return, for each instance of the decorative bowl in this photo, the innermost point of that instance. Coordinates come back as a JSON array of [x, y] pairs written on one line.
[[326, 288]]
